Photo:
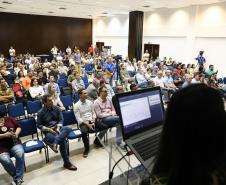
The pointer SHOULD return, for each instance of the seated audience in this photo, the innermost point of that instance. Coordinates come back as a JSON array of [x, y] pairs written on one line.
[[42, 79], [77, 83], [110, 92], [211, 71], [188, 79], [55, 98], [52, 81], [50, 122], [10, 146], [26, 82], [92, 90], [105, 111], [71, 77], [133, 87], [85, 115], [196, 78], [6, 94], [140, 78], [36, 91], [193, 143]]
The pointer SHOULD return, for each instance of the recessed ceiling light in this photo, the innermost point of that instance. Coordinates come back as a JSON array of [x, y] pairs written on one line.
[[6, 2], [146, 6], [50, 12], [62, 8], [2, 7], [105, 13]]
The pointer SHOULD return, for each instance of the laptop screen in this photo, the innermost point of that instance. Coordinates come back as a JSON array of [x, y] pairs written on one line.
[[140, 110]]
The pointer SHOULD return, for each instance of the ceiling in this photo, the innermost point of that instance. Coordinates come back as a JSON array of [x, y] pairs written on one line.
[[92, 8]]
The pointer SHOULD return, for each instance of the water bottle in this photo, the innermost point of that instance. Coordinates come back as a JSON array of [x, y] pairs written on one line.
[[13, 137]]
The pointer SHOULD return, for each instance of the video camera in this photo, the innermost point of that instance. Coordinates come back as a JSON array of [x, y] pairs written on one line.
[[118, 57]]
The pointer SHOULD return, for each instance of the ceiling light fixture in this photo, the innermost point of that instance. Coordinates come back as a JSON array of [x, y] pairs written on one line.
[[62, 8], [50, 12], [146, 6], [105, 13], [2, 7]]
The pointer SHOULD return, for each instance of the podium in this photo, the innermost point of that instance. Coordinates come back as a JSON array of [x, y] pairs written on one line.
[[153, 50]]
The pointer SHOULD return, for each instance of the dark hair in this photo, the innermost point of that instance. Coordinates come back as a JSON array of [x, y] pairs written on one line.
[[45, 97], [101, 88], [32, 81], [80, 91], [132, 86], [193, 141], [211, 65]]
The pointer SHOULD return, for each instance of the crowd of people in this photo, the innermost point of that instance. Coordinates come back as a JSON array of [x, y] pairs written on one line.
[[92, 76]]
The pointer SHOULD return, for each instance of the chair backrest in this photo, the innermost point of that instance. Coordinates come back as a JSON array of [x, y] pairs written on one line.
[[28, 127], [66, 100], [34, 106], [69, 118], [220, 80], [76, 97], [2, 108], [62, 82], [63, 76], [16, 110], [85, 79], [89, 67], [11, 78]]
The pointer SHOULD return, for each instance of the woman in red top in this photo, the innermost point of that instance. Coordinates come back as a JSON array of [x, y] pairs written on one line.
[[10, 146]]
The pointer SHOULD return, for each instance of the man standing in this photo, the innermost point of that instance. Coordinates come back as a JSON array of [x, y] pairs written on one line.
[[85, 115], [201, 60], [50, 122]]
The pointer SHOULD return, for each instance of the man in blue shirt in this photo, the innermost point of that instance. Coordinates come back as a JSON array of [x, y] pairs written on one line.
[[110, 68], [50, 122], [201, 60]]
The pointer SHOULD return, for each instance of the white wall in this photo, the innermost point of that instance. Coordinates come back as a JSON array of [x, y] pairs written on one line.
[[183, 32], [113, 31]]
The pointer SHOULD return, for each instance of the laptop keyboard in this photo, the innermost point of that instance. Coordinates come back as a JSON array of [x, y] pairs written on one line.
[[148, 147]]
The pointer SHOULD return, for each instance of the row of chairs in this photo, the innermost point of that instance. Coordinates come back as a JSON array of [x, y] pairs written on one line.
[[62, 82], [34, 143], [18, 111], [222, 80]]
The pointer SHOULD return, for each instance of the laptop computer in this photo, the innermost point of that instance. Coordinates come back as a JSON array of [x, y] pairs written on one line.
[[142, 114]]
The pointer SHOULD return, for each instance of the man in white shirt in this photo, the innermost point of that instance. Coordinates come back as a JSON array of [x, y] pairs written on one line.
[[160, 81], [140, 78], [196, 79], [85, 115], [168, 81]]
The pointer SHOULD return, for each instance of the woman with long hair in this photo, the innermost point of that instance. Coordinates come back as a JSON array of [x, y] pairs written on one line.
[[55, 97]]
